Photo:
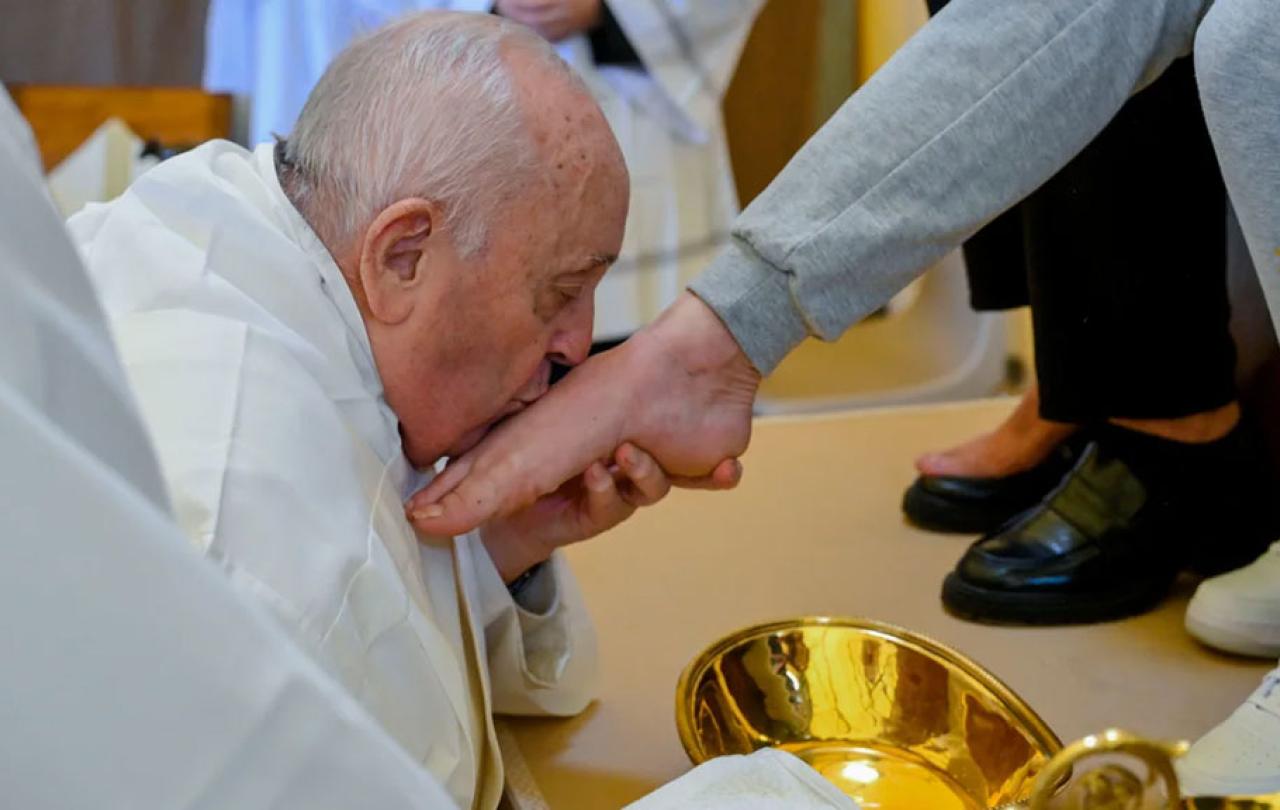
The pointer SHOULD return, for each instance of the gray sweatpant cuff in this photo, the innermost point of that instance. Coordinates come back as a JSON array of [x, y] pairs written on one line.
[[754, 300]]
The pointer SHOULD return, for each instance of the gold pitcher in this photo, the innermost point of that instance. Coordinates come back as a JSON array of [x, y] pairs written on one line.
[[900, 722]]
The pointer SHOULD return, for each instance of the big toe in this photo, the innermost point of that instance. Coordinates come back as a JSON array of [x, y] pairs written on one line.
[[939, 464]]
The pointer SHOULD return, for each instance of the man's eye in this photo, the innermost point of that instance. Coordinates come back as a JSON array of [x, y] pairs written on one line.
[[569, 292]]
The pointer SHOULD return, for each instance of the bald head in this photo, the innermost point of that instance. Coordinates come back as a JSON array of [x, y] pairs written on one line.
[[473, 196], [467, 110], [570, 135]]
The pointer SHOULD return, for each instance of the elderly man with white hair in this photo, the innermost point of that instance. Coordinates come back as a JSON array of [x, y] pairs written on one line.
[[310, 327]]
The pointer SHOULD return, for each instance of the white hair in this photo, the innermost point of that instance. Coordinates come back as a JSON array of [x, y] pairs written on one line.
[[424, 107]]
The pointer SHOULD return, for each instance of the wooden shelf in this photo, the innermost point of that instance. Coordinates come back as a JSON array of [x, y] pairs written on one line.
[[62, 116]]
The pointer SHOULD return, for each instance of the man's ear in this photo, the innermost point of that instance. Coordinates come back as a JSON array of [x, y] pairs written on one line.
[[392, 258]]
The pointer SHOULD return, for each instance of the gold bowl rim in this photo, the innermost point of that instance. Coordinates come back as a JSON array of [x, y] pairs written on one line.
[[1018, 707]]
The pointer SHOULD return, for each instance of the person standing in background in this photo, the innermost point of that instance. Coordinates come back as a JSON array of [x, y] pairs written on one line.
[[659, 70]]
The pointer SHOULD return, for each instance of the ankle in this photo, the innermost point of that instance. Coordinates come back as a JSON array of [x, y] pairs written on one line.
[[1042, 432], [1200, 428], [1025, 424], [1007, 450], [691, 333]]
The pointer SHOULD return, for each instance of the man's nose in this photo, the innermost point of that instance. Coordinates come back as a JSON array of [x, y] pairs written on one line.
[[571, 344]]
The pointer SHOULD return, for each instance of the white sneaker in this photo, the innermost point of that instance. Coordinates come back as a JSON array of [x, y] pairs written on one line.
[[1241, 757], [1239, 611]]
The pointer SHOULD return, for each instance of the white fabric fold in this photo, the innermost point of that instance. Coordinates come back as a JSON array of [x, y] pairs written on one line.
[[769, 779]]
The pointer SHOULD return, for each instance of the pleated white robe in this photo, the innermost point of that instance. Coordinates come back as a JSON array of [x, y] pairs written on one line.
[[255, 376]]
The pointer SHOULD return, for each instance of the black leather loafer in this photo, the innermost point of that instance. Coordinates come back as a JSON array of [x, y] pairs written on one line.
[[1109, 540], [945, 503]]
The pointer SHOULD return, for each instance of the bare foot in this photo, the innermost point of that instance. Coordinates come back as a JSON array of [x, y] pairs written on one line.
[[1020, 442]]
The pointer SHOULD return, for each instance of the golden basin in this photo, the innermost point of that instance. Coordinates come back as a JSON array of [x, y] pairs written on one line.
[[892, 718], [901, 722]]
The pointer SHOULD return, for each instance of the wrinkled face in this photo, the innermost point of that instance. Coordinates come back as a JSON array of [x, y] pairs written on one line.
[[526, 303], [472, 341]]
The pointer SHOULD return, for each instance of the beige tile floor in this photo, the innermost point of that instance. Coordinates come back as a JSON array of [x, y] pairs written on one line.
[[815, 528]]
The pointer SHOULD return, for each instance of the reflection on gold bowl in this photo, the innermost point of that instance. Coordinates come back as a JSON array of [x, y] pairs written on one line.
[[900, 722], [894, 719]]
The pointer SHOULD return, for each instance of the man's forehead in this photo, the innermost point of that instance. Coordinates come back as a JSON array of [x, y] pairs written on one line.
[[583, 264]]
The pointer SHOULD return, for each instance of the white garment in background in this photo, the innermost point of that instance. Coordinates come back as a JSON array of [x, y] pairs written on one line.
[[667, 117], [133, 677], [274, 51], [254, 372]]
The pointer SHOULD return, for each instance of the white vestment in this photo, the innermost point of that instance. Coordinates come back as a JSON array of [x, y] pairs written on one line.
[[133, 676], [254, 372], [666, 116]]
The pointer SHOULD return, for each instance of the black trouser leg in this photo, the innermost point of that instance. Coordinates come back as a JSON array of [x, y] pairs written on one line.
[[1127, 268], [995, 257], [1123, 263], [995, 262]]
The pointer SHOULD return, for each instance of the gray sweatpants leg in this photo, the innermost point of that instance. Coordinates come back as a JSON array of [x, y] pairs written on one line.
[[1237, 55], [984, 104]]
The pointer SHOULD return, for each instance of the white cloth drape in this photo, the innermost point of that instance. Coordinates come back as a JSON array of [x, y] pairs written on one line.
[[768, 779]]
